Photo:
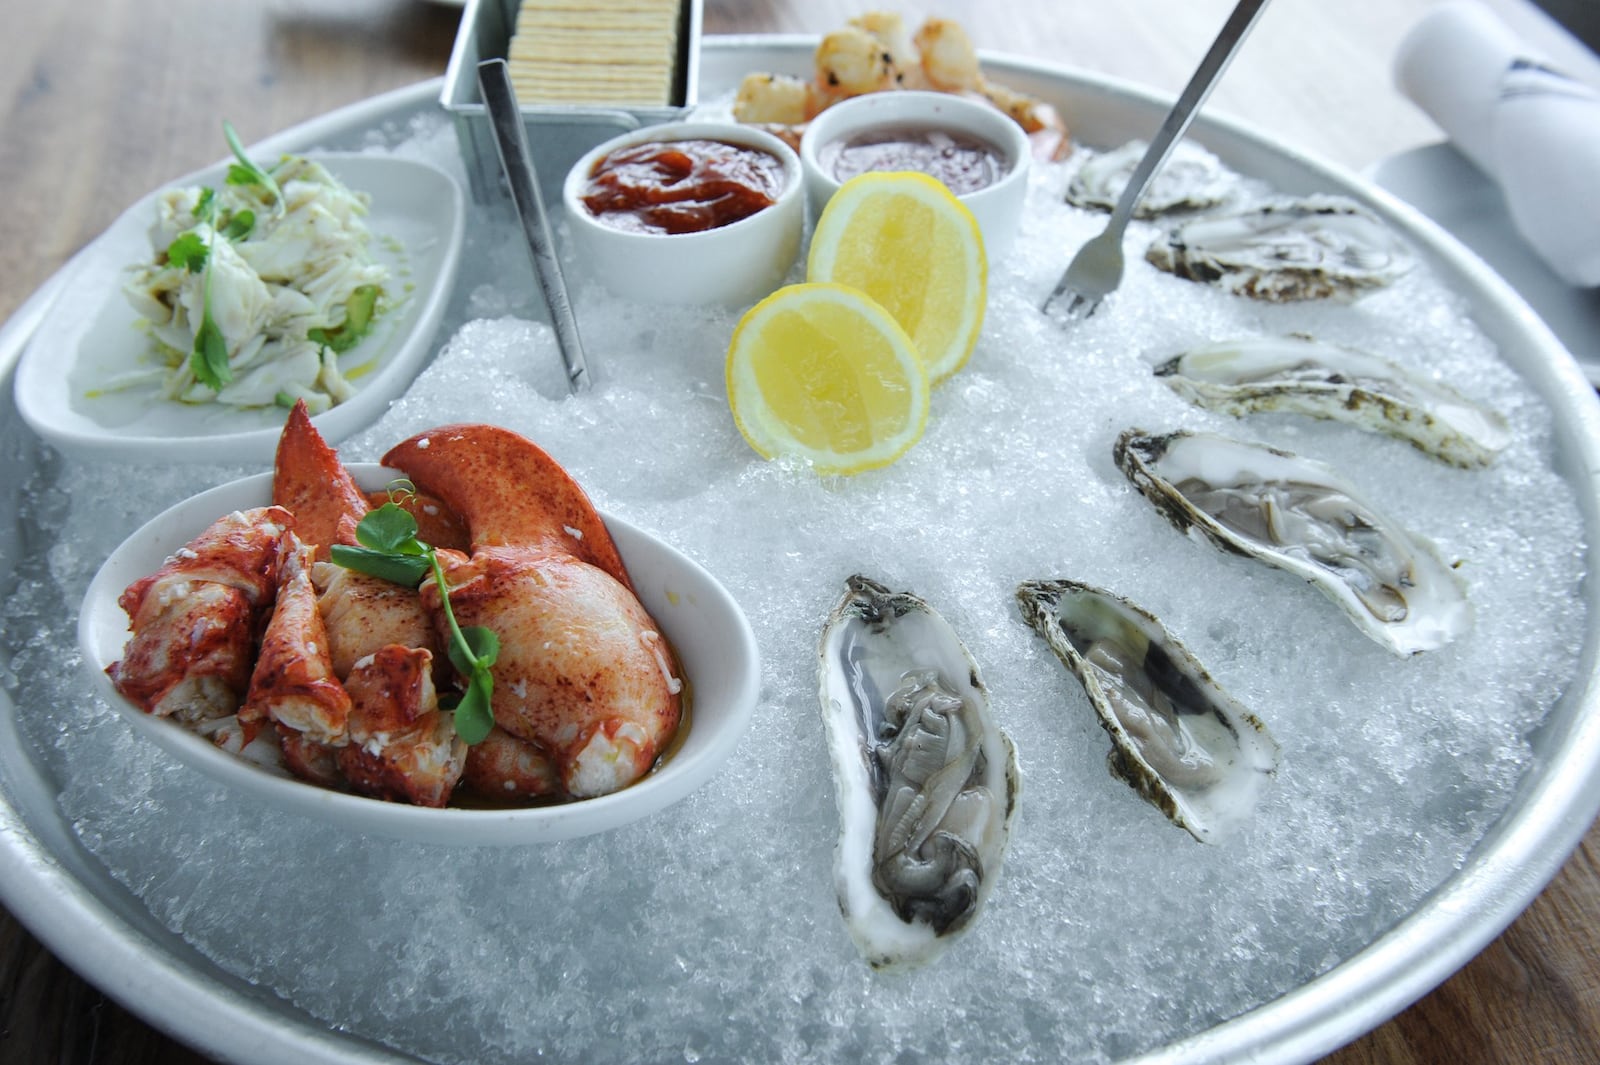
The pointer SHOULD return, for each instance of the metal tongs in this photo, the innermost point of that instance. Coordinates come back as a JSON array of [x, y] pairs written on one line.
[[1096, 271], [516, 160]]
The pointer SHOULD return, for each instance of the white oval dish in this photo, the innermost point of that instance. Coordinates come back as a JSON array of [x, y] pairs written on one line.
[[713, 639], [730, 265], [89, 333], [997, 207]]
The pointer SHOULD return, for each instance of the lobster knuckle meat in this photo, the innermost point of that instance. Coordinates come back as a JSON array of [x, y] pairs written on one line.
[[194, 619]]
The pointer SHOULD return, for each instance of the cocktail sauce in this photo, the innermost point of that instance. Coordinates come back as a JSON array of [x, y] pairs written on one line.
[[964, 163], [683, 186]]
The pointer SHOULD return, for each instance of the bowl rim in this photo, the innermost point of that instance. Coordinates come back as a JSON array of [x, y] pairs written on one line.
[[916, 106], [694, 129]]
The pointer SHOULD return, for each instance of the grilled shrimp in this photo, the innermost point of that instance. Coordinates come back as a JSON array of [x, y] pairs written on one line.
[[874, 53]]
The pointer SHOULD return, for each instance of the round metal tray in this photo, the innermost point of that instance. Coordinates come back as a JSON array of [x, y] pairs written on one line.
[[69, 901]]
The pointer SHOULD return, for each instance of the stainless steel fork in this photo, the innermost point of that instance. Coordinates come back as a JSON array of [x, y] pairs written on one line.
[[1096, 270]]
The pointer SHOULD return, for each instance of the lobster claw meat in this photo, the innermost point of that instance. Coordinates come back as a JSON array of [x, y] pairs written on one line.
[[583, 674]]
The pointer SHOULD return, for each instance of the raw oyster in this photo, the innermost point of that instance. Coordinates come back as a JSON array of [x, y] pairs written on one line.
[[926, 783], [1319, 247], [1299, 515], [1190, 180], [1305, 376], [1182, 742]]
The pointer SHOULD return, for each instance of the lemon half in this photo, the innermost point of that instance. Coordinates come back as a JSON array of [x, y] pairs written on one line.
[[906, 241], [822, 372]]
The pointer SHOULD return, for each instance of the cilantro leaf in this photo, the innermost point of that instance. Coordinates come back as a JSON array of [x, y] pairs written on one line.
[[240, 225], [188, 252]]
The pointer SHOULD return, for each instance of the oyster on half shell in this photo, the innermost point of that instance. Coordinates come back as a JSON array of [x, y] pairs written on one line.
[[1318, 247], [1299, 515], [1301, 375], [1181, 741], [926, 783], [1190, 180]]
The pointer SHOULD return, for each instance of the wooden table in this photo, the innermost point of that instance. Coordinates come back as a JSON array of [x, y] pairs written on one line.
[[107, 99]]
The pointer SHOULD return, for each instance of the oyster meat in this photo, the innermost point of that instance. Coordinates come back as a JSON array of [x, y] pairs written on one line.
[[925, 782], [1318, 247], [1192, 179], [1177, 737], [1305, 376], [1299, 515]]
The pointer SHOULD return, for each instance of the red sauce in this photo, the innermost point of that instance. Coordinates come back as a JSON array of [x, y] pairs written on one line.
[[964, 163], [682, 186]]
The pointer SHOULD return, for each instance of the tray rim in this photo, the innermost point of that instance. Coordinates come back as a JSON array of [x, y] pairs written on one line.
[[1506, 869]]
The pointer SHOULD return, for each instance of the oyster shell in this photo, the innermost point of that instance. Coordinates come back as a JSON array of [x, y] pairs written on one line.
[[1319, 247], [1191, 749], [1191, 179], [1305, 376], [925, 782], [1299, 515]]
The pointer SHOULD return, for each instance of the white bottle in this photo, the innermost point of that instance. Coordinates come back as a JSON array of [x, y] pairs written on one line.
[[1531, 128]]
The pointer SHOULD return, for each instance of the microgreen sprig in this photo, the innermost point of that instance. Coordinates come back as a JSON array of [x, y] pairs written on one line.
[[245, 171], [389, 549]]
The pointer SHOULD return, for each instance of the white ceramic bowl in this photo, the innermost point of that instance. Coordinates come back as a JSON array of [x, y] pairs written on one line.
[[731, 265], [997, 207], [417, 218], [703, 622]]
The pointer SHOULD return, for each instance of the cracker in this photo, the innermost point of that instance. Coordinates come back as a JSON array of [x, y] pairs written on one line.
[[595, 51], [557, 48]]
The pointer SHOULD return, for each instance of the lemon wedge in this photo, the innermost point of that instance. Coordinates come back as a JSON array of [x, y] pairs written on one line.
[[906, 241], [822, 372]]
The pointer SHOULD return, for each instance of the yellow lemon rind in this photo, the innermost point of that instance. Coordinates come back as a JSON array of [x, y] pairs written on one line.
[[766, 433], [858, 195]]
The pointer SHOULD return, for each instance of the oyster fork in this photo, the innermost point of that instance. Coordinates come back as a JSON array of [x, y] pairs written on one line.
[[1096, 271]]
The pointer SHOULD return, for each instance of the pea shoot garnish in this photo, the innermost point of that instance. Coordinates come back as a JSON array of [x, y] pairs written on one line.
[[246, 172], [389, 549]]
